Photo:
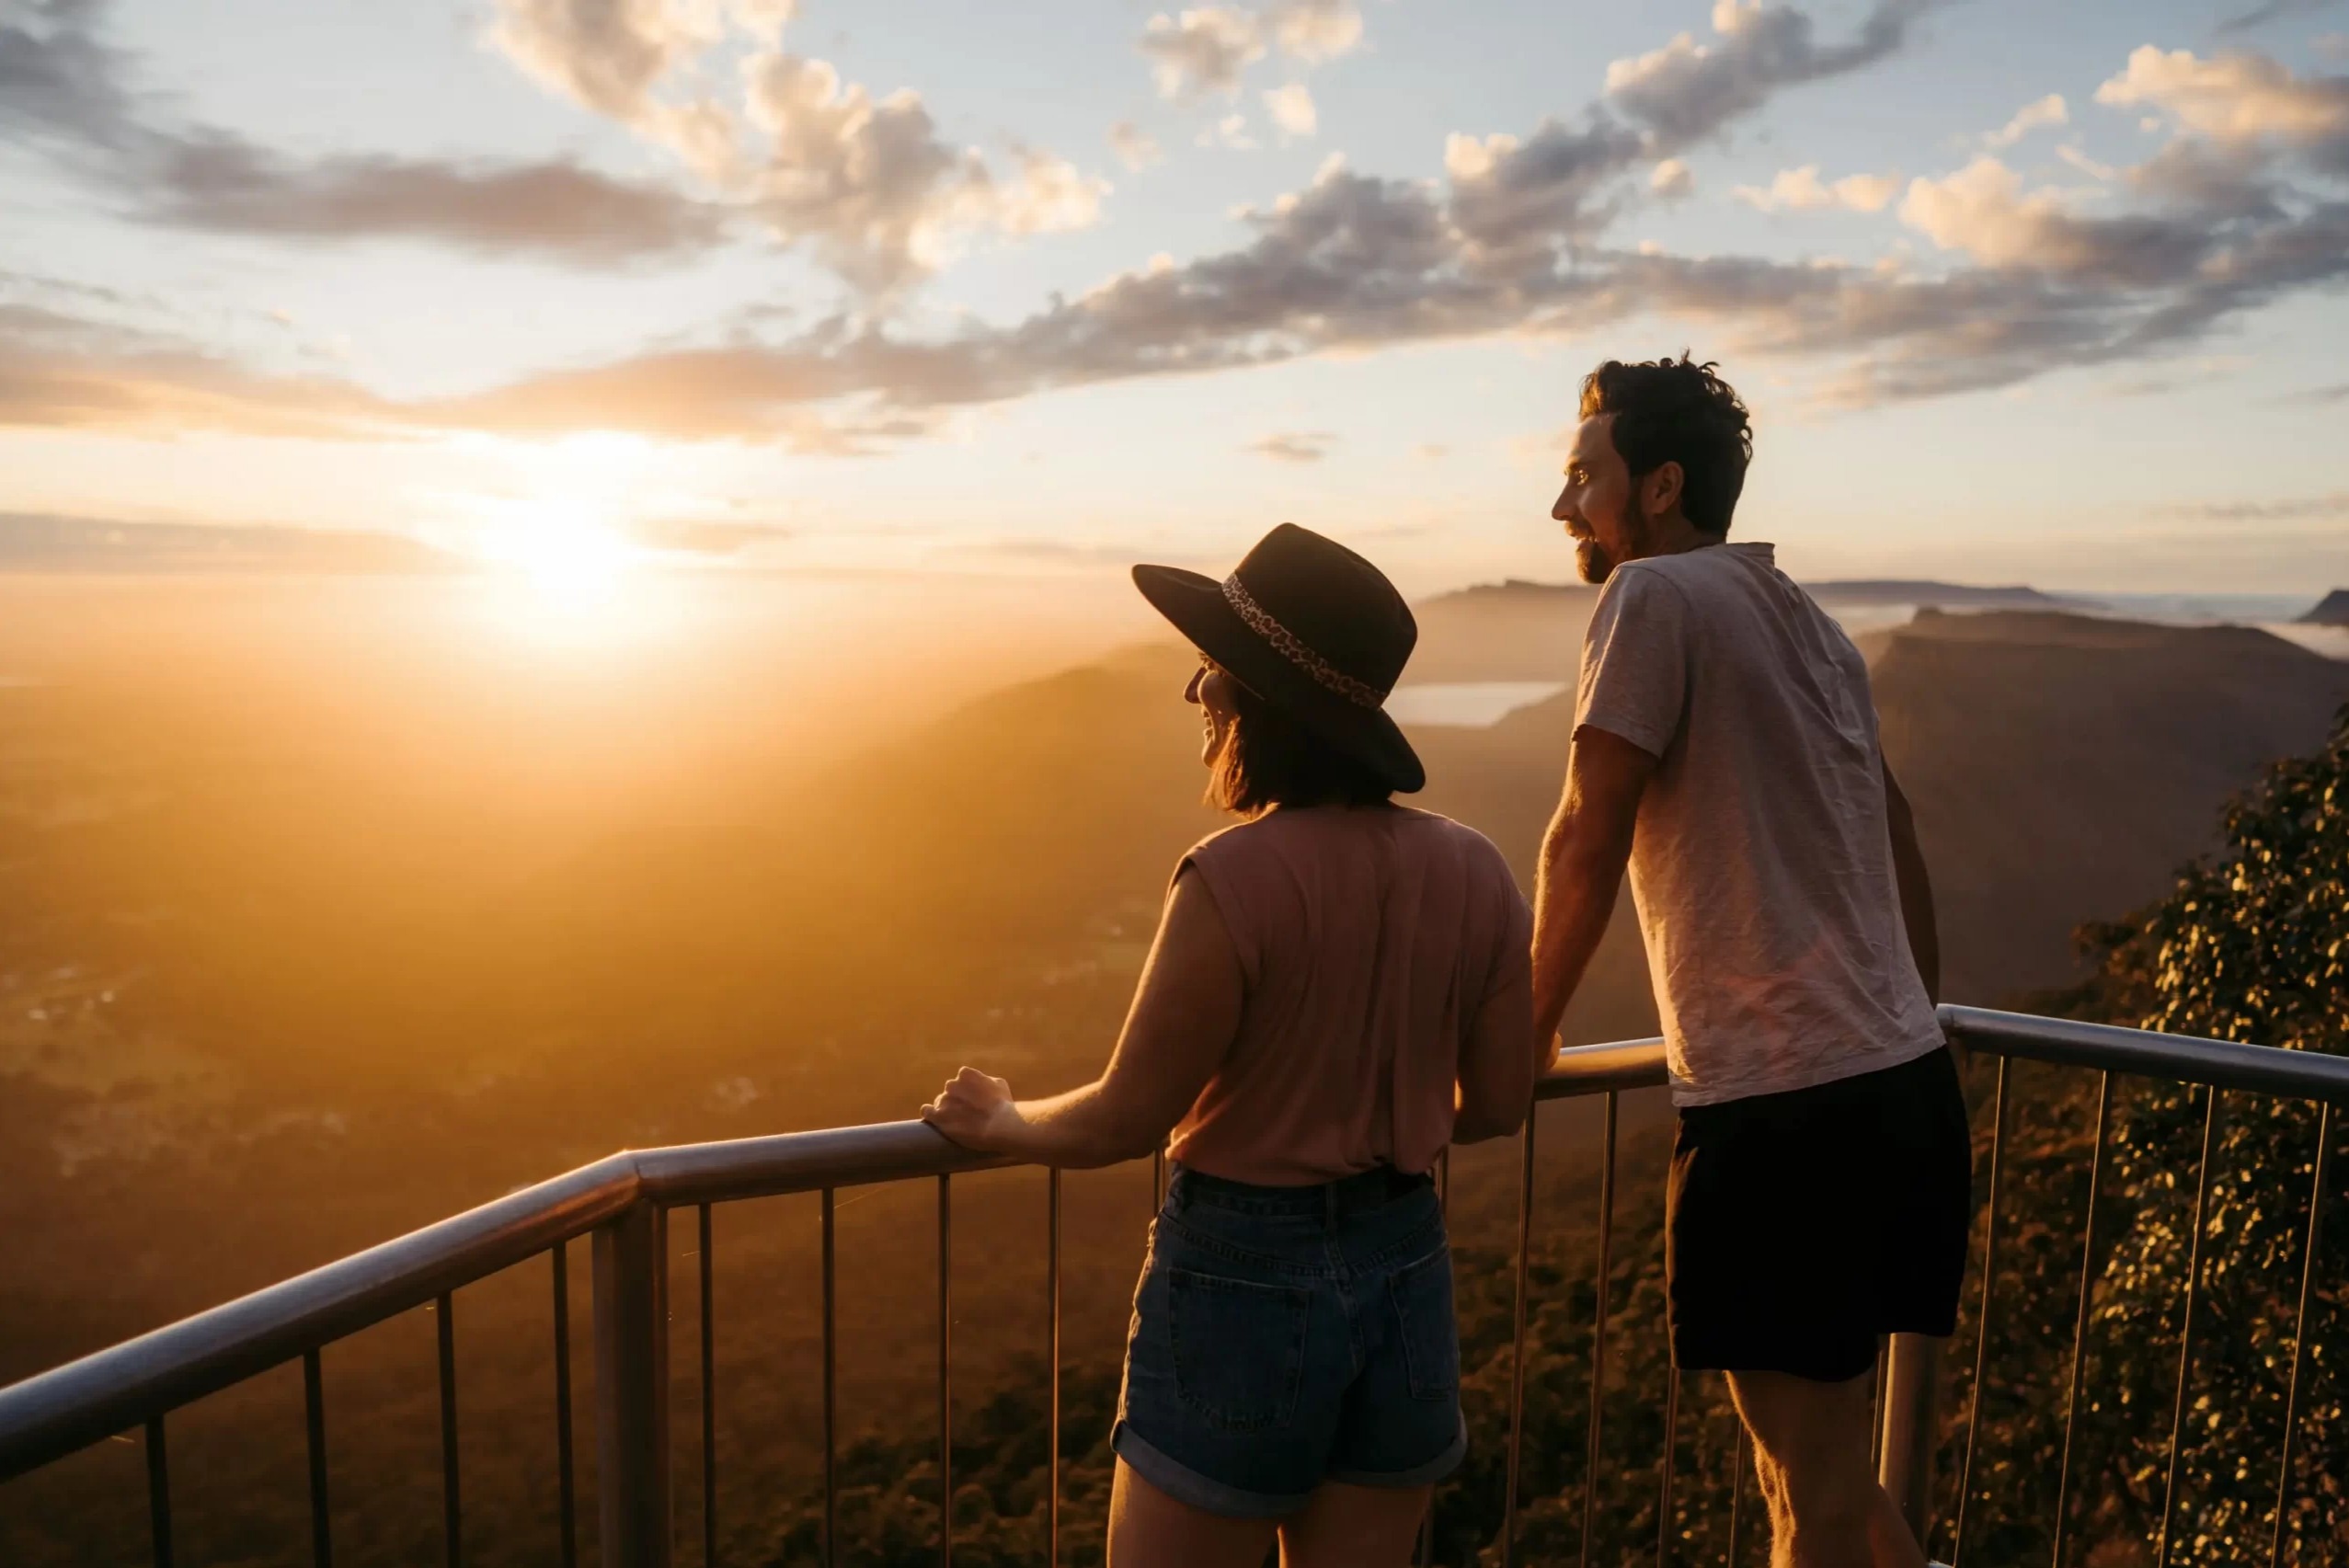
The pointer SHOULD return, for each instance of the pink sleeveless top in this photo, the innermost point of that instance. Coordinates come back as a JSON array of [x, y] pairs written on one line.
[[1369, 939]]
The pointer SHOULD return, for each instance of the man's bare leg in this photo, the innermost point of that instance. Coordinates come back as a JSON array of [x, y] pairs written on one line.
[[1811, 1443]]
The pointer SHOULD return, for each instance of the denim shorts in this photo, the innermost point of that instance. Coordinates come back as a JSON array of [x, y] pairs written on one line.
[[1286, 1336]]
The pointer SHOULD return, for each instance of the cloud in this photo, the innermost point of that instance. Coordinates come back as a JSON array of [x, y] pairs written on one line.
[[1295, 446], [869, 184], [1687, 90], [1983, 211], [2270, 10], [2084, 164], [1202, 51], [552, 209], [1230, 133], [1510, 239], [1208, 49], [1518, 203], [1671, 181], [2238, 98], [701, 536], [2032, 116], [1135, 147], [62, 89], [605, 54], [2289, 509], [1048, 196], [60, 370], [1801, 191], [1315, 30], [1292, 108]]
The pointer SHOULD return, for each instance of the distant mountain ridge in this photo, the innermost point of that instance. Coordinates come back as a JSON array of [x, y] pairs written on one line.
[[2332, 610], [1938, 595], [1922, 592], [1519, 630]]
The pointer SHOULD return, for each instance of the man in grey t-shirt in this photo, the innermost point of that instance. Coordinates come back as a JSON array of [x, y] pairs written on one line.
[[1725, 750]]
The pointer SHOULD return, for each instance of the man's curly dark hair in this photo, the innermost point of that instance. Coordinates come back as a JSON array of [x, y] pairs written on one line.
[[1677, 411]]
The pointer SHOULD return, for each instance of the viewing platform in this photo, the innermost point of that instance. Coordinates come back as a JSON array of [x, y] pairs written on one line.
[[623, 1204]]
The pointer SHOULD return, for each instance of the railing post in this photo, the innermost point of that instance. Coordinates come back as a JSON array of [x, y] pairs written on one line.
[[1906, 1468], [632, 1387]]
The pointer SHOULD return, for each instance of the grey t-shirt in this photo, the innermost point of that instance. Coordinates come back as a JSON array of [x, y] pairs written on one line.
[[1761, 862]]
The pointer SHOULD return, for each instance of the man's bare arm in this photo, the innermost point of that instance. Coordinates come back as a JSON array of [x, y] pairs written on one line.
[[1583, 856], [1915, 888]]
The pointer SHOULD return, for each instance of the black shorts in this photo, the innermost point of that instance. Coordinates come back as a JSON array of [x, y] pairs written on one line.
[[1802, 1225]]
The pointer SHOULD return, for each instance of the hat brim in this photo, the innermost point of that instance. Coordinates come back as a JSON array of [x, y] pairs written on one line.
[[1195, 606]]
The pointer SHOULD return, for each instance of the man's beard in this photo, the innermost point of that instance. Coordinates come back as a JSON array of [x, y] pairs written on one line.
[[1594, 563]]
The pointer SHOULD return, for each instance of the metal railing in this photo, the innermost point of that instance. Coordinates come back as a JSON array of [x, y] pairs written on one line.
[[622, 1203]]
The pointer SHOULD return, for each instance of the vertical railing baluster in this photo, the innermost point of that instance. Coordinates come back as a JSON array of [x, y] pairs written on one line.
[[1516, 1343], [831, 1386], [1599, 1330], [2186, 1330], [2087, 1283], [314, 1414], [451, 1516], [1671, 1437], [565, 1482], [1052, 1288], [945, 1384], [2301, 1331], [709, 1404], [158, 1494], [632, 1390], [1876, 1417], [1737, 1490], [1982, 1327]]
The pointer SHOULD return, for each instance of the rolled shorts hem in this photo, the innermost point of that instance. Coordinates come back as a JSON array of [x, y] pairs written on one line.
[[1814, 1367], [1434, 1471], [1204, 1493]]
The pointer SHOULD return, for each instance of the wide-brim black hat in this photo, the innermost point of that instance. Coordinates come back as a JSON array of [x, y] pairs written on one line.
[[1313, 629]]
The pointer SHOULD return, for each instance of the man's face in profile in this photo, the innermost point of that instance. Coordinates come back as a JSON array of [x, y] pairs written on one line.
[[1598, 505]]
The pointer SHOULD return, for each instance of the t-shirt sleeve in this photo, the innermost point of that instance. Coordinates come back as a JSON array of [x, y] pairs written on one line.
[[1635, 662], [1513, 954], [1210, 861]]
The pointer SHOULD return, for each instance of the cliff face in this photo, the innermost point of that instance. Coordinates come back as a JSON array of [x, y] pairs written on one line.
[[2333, 610], [2062, 768]]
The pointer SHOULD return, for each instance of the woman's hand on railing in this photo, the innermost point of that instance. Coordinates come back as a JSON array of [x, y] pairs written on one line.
[[977, 1112]]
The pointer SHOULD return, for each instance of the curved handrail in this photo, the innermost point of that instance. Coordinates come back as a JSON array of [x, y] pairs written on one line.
[[2187, 1059], [54, 1413], [51, 1414]]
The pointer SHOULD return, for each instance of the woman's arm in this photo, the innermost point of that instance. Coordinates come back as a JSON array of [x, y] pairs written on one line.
[[1495, 1086], [1184, 1016]]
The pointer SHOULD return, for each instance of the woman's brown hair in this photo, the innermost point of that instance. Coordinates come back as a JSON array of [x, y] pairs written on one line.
[[1270, 759]]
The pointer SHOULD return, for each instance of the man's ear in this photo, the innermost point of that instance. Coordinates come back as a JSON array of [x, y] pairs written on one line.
[[1661, 489]]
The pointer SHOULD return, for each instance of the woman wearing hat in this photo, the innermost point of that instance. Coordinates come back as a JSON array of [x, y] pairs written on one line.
[[1339, 988]]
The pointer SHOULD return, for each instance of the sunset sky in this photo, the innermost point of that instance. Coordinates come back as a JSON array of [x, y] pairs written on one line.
[[2018, 291]]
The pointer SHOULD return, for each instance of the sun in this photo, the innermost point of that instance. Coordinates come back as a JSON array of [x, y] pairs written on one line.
[[577, 568], [563, 573]]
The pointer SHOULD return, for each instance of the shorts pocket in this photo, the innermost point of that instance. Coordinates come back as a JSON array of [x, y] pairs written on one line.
[[1421, 1295], [1238, 1348]]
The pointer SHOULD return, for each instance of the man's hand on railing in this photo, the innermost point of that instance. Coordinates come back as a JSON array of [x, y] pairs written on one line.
[[977, 1112]]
